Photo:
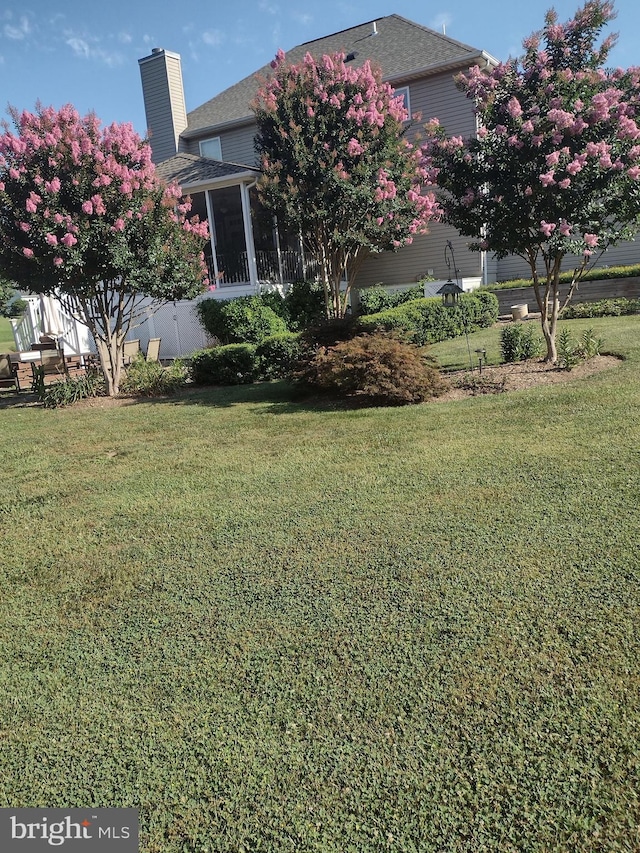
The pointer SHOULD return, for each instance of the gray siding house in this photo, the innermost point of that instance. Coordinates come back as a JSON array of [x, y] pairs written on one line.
[[210, 152]]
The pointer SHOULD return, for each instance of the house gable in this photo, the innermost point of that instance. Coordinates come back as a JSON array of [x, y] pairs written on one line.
[[403, 50]]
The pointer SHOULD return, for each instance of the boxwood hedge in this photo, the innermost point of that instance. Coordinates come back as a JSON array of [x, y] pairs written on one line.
[[428, 321]]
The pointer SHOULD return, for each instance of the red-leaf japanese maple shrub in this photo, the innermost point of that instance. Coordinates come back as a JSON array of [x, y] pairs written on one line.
[[375, 368]]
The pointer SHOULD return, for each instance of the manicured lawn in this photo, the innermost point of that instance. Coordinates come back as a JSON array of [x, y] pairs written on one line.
[[277, 628], [7, 344], [618, 334]]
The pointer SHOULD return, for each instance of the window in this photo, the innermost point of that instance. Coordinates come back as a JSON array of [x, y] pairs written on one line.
[[403, 92], [211, 148]]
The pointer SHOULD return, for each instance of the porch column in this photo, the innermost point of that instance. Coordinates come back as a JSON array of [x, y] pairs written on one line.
[[248, 236], [212, 233]]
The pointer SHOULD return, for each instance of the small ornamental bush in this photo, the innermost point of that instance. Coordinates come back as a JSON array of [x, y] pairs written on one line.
[[488, 309], [571, 353], [405, 320], [211, 317], [377, 298], [150, 379], [277, 355], [68, 391], [304, 305], [428, 321], [233, 364], [243, 320], [329, 332], [519, 342], [376, 368]]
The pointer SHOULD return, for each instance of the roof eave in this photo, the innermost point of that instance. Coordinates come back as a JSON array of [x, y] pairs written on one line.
[[481, 57], [217, 128], [224, 180]]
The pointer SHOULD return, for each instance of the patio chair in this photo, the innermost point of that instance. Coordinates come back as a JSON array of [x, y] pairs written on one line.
[[52, 363], [153, 350], [8, 373], [130, 351]]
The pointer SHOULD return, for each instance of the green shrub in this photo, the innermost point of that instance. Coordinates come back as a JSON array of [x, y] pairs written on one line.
[[568, 355], [70, 390], [406, 320], [243, 320], [377, 298], [427, 321], [15, 308], [150, 379], [571, 353], [378, 368], [601, 308], [233, 364], [589, 345], [304, 305], [277, 355], [327, 333], [273, 299], [489, 307], [519, 342], [211, 316]]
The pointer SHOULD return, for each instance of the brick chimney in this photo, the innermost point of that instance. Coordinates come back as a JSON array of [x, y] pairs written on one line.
[[164, 102]]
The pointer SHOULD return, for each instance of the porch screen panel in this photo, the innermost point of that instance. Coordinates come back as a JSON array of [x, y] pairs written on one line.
[[231, 246]]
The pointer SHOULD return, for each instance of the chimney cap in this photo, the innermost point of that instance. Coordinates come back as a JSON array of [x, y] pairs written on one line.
[[157, 50]]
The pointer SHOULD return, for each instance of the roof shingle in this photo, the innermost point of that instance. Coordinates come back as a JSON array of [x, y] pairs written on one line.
[[188, 170], [400, 47]]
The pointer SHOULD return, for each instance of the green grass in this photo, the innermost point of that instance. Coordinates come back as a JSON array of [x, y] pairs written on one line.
[[277, 628], [7, 344], [618, 334]]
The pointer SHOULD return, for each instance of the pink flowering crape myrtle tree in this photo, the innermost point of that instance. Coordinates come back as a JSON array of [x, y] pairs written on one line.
[[84, 217], [336, 166], [555, 167]]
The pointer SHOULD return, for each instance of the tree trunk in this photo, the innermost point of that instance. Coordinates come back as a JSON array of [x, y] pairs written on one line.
[[548, 303], [111, 355], [106, 317]]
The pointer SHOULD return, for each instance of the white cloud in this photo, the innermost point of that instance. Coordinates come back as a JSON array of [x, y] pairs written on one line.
[[79, 47], [303, 18], [18, 32], [212, 37], [87, 48], [125, 38]]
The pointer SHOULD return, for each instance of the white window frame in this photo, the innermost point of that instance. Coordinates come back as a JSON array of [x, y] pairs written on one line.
[[213, 139], [403, 91]]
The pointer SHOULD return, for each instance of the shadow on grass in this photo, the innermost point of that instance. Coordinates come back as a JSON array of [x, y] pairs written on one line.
[[277, 397], [11, 400]]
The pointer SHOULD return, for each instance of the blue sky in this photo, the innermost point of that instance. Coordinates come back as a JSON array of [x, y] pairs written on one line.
[[86, 52]]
